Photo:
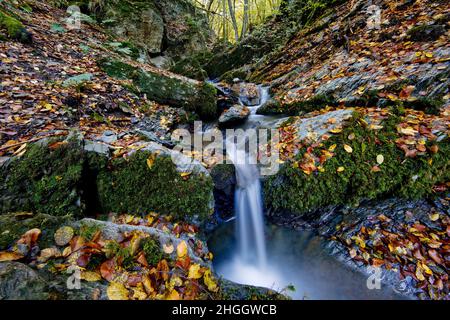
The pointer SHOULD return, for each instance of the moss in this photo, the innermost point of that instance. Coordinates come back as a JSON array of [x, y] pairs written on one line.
[[229, 76], [425, 104], [14, 28], [46, 180], [14, 225], [152, 250], [410, 178], [131, 186], [199, 98], [426, 32]]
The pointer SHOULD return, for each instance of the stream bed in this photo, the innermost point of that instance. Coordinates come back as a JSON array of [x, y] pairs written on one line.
[[296, 258]]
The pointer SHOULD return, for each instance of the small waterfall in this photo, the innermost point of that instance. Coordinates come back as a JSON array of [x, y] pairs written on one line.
[[249, 210], [249, 264]]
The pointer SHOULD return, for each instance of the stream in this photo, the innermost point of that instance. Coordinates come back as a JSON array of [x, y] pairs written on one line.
[[297, 263]]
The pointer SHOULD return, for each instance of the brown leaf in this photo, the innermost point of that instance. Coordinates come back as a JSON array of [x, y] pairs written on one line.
[[435, 256], [30, 237], [107, 269]]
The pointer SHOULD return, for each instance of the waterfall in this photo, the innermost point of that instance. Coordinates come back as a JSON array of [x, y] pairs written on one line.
[[249, 209]]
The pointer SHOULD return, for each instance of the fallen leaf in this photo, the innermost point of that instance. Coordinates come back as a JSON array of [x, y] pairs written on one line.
[[380, 159], [209, 281], [168, 248], [182, 249], [107, 269], [117, 291], [63, 235], [194, 271], [10, 256], [90, 276], [348, 148]]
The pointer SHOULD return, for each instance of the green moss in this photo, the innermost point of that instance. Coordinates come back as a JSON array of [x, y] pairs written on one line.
[[14, 28], [131, 186], [425, 104], [229, 76], [152, 250], [44, 180], [295, 191], [199, 98], [13, 226]]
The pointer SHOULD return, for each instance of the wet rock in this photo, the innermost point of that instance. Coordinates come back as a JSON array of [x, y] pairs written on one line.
[[270, 107], [224, 178], [236, 114], [248, 93], [109, 137]]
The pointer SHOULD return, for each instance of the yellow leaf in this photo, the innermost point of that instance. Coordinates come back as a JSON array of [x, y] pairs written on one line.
[[332, 147], [182, 249], [10, 256], [209, 281], [117, 291], [194, 271], [63, 235], [150, 162], [429, 55], [173, 295], [90, 276], [419, 274], [348, 148], [336, 130], [185, 174], [340, 169], [380, 159], [434, 217]]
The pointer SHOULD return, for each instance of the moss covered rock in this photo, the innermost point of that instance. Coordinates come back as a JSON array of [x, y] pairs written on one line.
[[194, 96], [146, 182], [348, 178], [46, 179], [14, 28]]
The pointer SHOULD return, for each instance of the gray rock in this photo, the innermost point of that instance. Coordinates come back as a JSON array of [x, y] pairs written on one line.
[[20, 282], [97, 147], [235, 114], [248, 93]]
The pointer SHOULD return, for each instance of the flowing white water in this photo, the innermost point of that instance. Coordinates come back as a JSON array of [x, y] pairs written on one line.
[[249, 264]]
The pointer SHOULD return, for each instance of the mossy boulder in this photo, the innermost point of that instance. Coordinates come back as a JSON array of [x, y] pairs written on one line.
[[14, 28], [180, 92], [426, 32], [46, 179], [349, 178], [271, 107], [146, 182]]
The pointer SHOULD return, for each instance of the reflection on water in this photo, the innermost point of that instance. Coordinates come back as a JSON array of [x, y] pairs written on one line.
[[296, 258]]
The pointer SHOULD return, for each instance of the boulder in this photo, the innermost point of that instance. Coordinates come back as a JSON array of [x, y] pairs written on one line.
[[270, 107], [235, 115], [248, 93], [167, 88], [20, 282]]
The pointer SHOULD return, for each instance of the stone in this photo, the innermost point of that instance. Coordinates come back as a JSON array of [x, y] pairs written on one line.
[[236, 114], [248, 93], [20, 282]]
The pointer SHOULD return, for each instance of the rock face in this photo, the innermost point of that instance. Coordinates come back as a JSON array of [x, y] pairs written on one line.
[[235, 115], [171, 27]]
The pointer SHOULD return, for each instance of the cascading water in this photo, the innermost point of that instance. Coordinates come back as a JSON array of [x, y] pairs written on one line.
[[249, 263]]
